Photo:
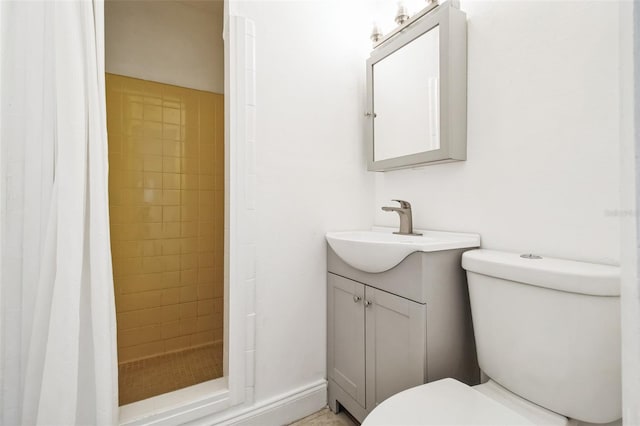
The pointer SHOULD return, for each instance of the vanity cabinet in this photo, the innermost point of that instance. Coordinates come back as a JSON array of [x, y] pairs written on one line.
[[385, 331], [380, 343], [346, 333], [395, 336]]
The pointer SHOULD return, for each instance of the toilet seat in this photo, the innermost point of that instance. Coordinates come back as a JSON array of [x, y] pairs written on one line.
[[450, 402]]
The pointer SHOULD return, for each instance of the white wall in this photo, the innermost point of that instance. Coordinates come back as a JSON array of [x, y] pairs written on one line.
[[311, 174], [166, 41], [542, 173]]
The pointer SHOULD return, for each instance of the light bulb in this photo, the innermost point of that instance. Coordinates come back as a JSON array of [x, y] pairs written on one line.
[[402, 15], [376, 32]]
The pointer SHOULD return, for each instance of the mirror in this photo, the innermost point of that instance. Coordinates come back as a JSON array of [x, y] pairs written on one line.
[[416, 93], [406, 99]]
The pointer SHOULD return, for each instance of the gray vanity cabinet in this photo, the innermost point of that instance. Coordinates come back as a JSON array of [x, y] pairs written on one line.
[[390, 331], [395, 355], [347, 331], [377, 342]]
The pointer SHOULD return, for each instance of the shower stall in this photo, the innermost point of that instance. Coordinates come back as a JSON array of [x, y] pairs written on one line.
[[166, 191]]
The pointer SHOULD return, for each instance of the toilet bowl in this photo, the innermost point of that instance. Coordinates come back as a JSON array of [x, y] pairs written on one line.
[[450, 402], [547, 333]]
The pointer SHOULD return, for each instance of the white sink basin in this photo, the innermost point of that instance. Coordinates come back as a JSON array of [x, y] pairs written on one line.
[[380, 249]]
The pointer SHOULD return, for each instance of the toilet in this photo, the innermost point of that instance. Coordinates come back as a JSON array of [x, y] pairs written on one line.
[[547, 333]]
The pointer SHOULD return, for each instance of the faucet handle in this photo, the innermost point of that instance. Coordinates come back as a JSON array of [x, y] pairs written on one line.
[[403, 204]]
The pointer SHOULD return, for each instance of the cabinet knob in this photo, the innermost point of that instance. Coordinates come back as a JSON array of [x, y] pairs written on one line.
[[367, 303], [356, 299]]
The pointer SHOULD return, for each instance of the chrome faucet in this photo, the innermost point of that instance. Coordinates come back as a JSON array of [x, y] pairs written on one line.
[[406, 219]]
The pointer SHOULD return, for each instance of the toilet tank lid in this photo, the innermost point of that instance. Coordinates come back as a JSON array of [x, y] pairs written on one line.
[[558, 274]]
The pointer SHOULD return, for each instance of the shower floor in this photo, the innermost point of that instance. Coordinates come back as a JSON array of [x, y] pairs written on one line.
[[165, 373]]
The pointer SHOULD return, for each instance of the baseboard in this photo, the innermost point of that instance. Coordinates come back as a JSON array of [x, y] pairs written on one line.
[[279, 410]]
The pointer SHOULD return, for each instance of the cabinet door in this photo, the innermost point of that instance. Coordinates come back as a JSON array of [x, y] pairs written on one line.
[[345, 335], [396, 345]]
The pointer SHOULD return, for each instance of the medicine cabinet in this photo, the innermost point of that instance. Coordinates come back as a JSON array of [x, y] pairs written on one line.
[[417, 93]]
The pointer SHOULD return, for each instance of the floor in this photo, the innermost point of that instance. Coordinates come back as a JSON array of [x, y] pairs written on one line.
[[326, 417], [149, 377]]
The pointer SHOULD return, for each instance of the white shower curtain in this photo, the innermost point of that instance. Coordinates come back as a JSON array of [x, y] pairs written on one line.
[[58, 362]]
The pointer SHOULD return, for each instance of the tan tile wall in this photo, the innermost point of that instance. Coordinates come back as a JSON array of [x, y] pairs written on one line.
[[166, 190]]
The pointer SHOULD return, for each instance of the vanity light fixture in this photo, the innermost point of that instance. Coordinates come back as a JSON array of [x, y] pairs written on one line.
[[403, 19]]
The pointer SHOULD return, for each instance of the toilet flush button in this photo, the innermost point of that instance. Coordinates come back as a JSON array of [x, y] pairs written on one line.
[[530, 256]]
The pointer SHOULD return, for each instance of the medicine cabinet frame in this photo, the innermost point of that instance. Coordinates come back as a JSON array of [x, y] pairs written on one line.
[[452, 88]]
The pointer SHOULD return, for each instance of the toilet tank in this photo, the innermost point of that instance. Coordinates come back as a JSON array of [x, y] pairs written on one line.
[[548, 330]]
